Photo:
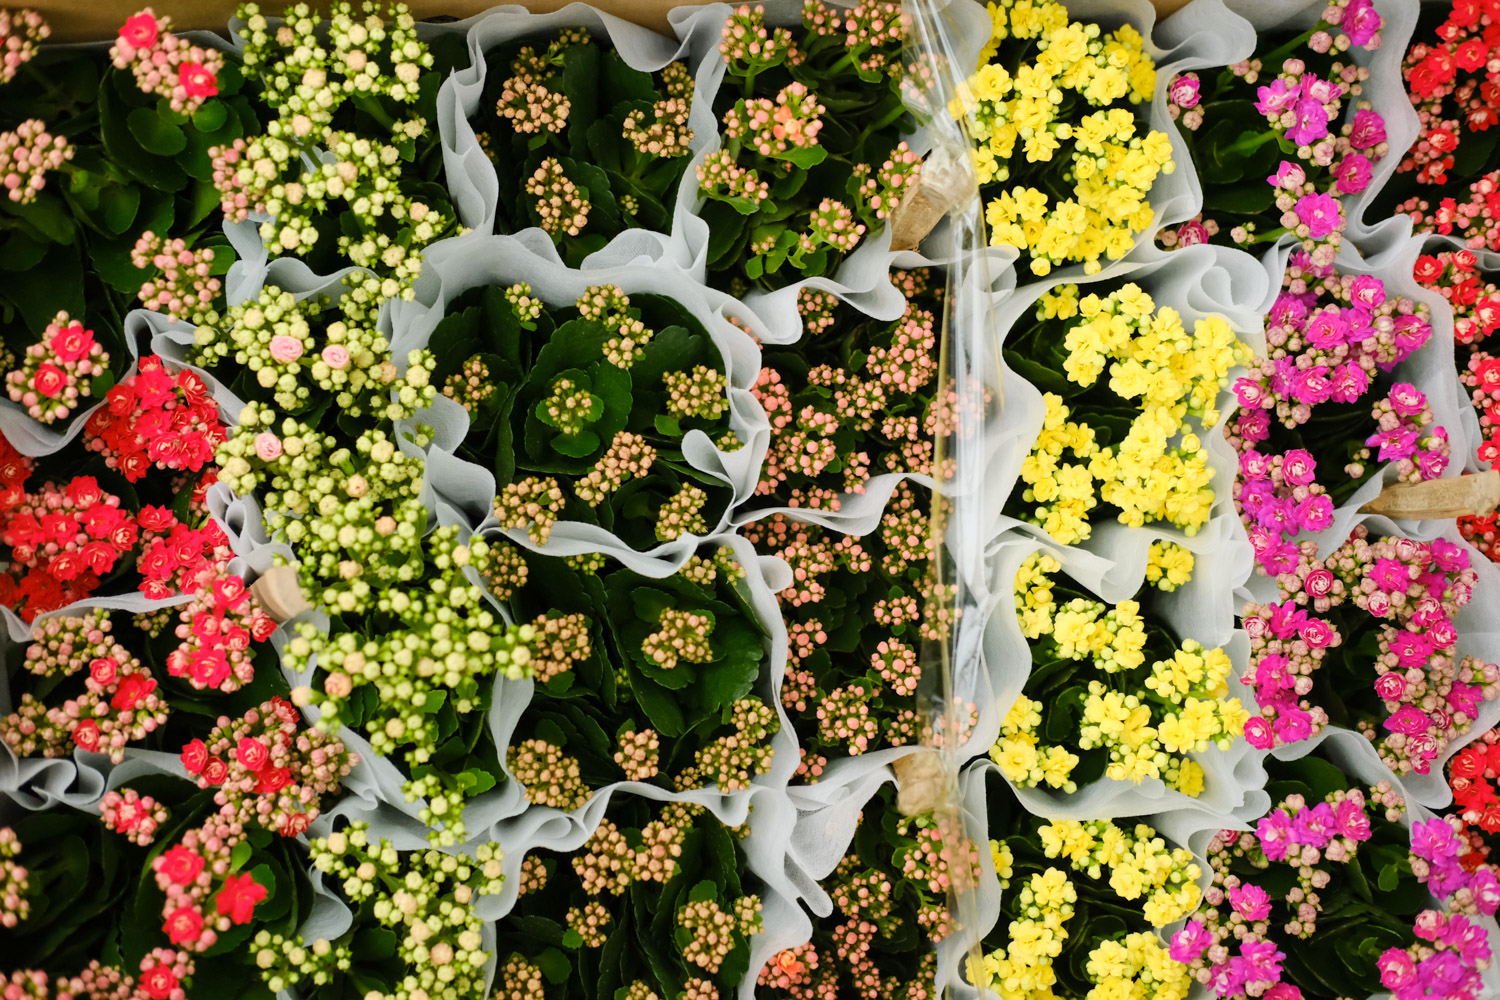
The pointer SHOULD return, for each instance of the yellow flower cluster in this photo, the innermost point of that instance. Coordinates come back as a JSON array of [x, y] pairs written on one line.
[[1136, 967], [1160, 471], [1110, 167], [1168, 566], [1151, 725], [1139, 864], [1021, 759]]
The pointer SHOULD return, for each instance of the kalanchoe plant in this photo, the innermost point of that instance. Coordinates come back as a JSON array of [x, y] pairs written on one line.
[[414, 647], [175, 915], [1472, 774], [1317, 658], [584, 413], [1334, 342], [857, 613], [890, 896], [1280, 138], [414, 933], [584, 145], [1447, 181], [349, 165], [104, 156], [1140, 704], [653, 904], [1131, 445], [640, 679], [854, 398], [1076, 191], [1080, 904], [811, 160], [1330, 896], [323, 394]]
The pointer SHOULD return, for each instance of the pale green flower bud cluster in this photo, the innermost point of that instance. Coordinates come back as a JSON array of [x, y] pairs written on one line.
[[427, 898], [360, 563], [309, 75], [297, 470]]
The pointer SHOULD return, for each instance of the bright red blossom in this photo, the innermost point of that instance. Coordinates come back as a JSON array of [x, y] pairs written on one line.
[[238, 898]]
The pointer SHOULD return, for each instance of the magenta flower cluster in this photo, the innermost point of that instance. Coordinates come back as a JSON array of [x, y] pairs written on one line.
[[1451, 950], [1329, 337], [1429, 695]]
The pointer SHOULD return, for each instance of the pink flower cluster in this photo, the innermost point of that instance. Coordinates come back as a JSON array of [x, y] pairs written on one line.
[[1401, 419], [14, 906], [216, 629], [21, 33], [156, 419], [164, 975], [54, 373], [132, 814], [1452, 950], [26, 155], [1429, 695], [182, 286], [165, 64], [1475, 220], [1329, 337], [119, 704]]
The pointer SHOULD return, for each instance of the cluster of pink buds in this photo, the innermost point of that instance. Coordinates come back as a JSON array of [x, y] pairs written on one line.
[[21, 34], [895, 177], [26, 155], [550, 777], [749, 47], [731, 762], [666, 134], [628, 457], [14, 907], [182, 286], [55, 373], [713, 930], [165, 64], [560, 205], [164, 975], [132, 814], [832, 224], [721, 177], [771, 128], [1475, 220]]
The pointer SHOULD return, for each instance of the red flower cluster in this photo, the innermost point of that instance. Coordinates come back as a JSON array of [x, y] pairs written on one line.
[[62, 540], [156, 418], [216, 629], [1472, 774], [1450, 86], [176, 558]]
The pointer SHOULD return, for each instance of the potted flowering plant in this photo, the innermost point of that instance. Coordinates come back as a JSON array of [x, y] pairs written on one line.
[[656, 902], [585, 413], [1332, 894], [638, 678], [583, 144], [1281, 138], [1144, 702], [1316, 658], [1135, 452], [810, 160], [1078, 191], [1447, 181], [110, 171], [1084, 902], [1334, 342]]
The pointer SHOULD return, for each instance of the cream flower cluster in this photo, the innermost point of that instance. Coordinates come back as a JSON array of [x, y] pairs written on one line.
[[1102, 155]]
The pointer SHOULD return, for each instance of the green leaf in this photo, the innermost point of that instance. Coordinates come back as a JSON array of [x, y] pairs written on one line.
[[1390, 877], [46, 215], [703, 891], [572, 939], [239, 855], [554, 965], [155, 134], [667, 426], [20, 252], [433, 701], [804, 157], [741, 651], [211, 116], [120, 203]]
